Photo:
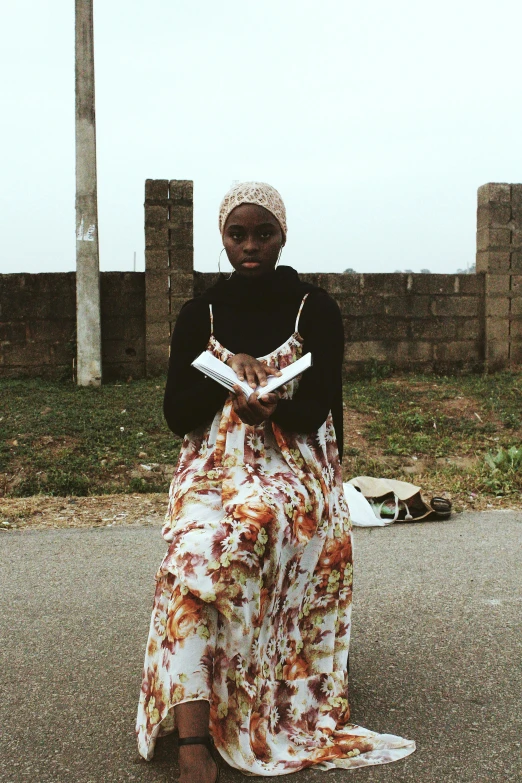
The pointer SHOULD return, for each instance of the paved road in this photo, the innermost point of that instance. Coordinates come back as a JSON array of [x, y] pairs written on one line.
[[434, 653]]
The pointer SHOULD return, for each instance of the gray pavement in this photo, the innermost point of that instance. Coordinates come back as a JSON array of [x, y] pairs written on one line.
[[435, 653]]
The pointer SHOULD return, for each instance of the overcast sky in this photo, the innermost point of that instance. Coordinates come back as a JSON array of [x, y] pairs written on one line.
[[377, 121]]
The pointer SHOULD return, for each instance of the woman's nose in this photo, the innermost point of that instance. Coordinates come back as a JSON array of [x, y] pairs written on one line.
[[251, 244]]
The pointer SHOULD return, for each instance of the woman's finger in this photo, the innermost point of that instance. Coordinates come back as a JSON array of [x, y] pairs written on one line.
[[251, 375], [261, 374], [271, 370]]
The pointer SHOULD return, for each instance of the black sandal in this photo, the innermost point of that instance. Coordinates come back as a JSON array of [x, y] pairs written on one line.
[[209, 743]]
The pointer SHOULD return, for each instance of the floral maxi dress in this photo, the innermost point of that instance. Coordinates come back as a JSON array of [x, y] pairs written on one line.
[[253, 598]]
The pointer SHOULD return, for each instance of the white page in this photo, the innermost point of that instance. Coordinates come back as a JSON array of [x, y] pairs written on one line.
[[209, 365]]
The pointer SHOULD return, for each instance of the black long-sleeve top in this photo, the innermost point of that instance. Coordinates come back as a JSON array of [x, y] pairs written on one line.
[[256, 316]]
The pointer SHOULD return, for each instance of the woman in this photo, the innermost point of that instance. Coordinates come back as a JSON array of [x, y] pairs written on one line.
[[251, 621]]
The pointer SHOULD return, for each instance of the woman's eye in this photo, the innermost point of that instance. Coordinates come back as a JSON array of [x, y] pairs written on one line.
[[236, 236]]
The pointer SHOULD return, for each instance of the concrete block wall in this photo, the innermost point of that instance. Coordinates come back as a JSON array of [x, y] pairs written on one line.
[[169, 263], [499, 258], [38, 325], [407, 321]]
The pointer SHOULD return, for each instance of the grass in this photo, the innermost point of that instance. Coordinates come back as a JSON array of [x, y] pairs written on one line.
[[58, 439], [437, 432]]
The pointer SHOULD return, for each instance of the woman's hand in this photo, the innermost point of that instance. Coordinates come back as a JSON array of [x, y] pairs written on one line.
[[257, 408], [252, 370]]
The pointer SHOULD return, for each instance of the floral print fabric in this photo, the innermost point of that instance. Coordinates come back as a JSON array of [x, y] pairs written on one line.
[[253, 598]]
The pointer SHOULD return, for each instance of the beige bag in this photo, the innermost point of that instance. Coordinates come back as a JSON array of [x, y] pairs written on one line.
[[394, 500]]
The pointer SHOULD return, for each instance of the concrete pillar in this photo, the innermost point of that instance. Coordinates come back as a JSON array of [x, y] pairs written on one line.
[[88, 330], [169, 263], [499, 257]]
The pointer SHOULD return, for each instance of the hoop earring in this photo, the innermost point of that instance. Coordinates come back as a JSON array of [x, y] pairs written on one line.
[[219, 267], [279, 256]]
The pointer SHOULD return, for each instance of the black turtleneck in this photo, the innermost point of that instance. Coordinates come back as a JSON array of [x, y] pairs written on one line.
[[255, 316]]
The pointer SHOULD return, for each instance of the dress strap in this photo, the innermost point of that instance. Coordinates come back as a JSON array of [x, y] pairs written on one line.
[[299, 313], [211, 319]]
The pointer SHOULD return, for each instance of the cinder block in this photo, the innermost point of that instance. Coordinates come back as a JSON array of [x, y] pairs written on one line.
[[378, 328], [344, 284], [157, 236], [158, 312], [122, 351], [358, 306], [60, 330], [497, 307], [497, 329], [410, 305], [413, 351], [497, 355], [181, 190], [26, 354], [156, 259], [471, 284], [468, 329], [15, 332], [181, 259], [493, 238], [516, 195], [516, 306], [494, 261], [62, 354], [516, 262], [181, 214], [157, 360], [156, 216], [494, 193], [158, 333], [498, 285], [516, 327], [434, 329], [181, 285], [130, 330], [383, 283], [463, 306], [157, 285], [493, 216], [434, 284], [367, 350], [465, 351], [515, 355], [156, 189]]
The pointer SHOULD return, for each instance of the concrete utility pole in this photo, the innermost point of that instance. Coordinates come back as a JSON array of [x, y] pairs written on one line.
[[88, 329]]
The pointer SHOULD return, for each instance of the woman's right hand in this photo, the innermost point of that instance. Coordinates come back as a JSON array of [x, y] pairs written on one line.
[[250, 369]]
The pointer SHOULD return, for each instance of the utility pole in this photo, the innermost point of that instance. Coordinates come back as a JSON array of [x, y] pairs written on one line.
[[88, 329]]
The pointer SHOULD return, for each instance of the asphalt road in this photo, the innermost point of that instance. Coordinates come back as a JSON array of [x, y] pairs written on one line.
[[435, 655]]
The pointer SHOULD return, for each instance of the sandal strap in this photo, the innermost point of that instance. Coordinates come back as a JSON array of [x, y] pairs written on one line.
[[196, 741]]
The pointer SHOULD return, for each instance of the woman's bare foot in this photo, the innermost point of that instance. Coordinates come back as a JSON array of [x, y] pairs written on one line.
[[196, 765]]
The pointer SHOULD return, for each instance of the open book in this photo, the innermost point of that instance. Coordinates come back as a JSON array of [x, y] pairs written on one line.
[[214, 368]]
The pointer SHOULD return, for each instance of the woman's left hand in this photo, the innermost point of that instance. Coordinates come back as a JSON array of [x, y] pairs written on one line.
[[258, 408]]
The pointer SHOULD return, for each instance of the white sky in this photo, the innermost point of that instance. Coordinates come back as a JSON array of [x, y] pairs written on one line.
[[376, 120]]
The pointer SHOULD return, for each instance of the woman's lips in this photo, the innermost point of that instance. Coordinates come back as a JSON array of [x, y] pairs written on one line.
[[250, 264]]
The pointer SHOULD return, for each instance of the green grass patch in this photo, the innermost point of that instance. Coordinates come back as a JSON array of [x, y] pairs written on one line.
[[448, 427], [59, 439]]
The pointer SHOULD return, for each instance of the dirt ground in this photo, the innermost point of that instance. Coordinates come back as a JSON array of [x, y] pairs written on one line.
[[94, 511]]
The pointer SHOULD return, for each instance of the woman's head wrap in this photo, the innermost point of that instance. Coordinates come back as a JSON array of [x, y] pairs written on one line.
[[259, 193]]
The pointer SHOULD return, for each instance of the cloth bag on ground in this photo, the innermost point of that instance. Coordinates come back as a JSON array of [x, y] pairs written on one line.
[[391, 500]]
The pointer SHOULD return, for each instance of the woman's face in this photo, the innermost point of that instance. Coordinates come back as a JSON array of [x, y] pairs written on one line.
[[252, 238]]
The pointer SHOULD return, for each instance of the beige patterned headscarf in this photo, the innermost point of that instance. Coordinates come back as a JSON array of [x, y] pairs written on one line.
[[253, 193]]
